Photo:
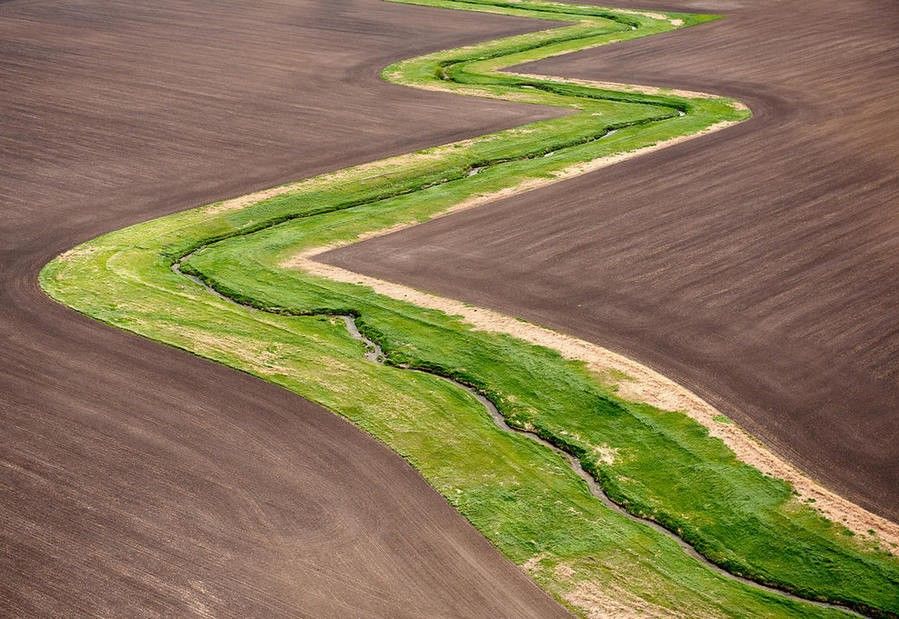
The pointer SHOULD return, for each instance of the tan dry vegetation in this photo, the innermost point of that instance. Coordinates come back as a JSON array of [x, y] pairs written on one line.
[[600, 600], [603, 602]]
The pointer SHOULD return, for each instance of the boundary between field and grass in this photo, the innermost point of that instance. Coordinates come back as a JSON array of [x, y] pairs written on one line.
[[235, 282]]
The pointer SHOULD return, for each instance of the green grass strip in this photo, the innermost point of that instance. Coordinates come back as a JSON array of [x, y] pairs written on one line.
[[520, 495]]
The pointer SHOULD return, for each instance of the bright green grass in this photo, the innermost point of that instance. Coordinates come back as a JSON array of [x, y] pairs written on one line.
[[521, 496]]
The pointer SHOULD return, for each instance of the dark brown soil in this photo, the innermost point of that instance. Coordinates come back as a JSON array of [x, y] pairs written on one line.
[[137, 479], [759, 266]]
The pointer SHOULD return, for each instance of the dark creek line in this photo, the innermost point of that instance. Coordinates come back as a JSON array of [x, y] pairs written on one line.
[[375, 354]]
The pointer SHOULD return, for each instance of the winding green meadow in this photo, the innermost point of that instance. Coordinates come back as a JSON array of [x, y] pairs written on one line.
[[520, 495]]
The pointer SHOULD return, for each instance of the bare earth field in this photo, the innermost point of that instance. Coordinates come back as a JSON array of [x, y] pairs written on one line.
[[137, 479], [758, 266]]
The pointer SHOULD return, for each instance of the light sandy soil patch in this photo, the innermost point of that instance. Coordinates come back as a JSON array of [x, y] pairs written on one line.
[[603, 162], [673, 21], [600, 600], [604, 602]]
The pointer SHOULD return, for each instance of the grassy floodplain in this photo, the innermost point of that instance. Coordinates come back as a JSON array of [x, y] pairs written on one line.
[[523, 497]]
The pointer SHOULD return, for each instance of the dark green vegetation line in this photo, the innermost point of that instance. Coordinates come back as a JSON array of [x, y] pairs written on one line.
[[657, 465]]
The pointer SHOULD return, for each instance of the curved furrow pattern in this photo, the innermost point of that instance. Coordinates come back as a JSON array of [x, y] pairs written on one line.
[[657, 466]]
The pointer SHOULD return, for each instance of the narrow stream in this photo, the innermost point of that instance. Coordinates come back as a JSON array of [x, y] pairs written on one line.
[[374, 354]]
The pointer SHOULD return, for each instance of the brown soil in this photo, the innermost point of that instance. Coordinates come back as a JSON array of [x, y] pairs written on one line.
[[758, 267], [140, 480]]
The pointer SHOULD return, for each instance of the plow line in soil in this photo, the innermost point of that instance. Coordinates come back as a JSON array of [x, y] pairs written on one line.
[[770, 553]]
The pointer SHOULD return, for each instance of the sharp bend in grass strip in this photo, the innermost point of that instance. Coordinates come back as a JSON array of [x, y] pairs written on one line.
[[524, 497]]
